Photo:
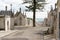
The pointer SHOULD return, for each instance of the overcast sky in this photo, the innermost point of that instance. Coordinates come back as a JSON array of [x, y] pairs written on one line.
[[16, 4]]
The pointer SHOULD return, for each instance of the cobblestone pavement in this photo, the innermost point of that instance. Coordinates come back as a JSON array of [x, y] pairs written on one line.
[[28, 34]]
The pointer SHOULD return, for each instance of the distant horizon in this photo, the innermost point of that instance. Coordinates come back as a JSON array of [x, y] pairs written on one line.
[[39, 19]]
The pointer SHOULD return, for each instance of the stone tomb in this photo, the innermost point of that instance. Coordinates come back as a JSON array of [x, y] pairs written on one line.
[[6, 23]]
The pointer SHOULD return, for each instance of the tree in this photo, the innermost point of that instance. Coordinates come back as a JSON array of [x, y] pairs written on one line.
[[34, 5]]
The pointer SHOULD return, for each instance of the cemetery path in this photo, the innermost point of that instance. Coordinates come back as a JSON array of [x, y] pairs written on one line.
[[28, 34]]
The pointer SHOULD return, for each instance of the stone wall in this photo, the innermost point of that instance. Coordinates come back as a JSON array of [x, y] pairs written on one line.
[[2, 23], [57, 27]]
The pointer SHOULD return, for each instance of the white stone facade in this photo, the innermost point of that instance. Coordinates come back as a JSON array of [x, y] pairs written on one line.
[[7, 23]]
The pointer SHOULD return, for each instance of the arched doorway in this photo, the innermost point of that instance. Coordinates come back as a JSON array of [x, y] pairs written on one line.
[[20, 21]]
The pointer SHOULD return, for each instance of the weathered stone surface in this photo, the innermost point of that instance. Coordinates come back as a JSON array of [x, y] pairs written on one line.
[[14, 39]]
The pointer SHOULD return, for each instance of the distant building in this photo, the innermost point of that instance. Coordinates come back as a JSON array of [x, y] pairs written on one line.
[[29, 22], [20, 19]]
